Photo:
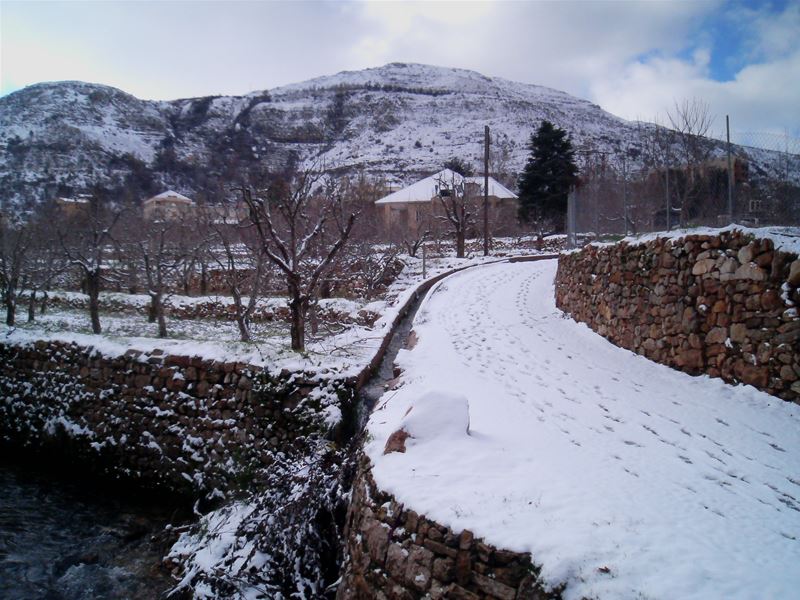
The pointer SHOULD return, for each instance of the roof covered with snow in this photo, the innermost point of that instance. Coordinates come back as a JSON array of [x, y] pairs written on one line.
[[171, 195], [425, 189]]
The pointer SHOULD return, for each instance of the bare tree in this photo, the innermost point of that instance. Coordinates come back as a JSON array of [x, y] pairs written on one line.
[[162, 256], [46, 262], [16, 238], [302, 226], [457, 198], [86, 241], [241, 261], [691, 120], [375, 265]]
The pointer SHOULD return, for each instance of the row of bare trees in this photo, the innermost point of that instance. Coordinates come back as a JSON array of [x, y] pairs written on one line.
[[293, 238]]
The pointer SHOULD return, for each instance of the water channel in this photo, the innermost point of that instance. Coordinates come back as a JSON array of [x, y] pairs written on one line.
[[70, 539]]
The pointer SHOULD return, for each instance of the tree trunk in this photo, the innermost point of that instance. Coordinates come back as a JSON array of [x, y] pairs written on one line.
[[244, 327], [43, 307], [460, 243], [313, 317], [298, 308], [162, 323], [152, 310], [32, 307], [11, 307], [204, 280], [93, 290], [242, 315]]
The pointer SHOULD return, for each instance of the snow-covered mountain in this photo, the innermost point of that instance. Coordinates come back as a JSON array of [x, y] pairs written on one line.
[[399, 121]]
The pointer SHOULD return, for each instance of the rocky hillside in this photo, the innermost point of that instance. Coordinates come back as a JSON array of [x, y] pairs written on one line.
[[397, 122]]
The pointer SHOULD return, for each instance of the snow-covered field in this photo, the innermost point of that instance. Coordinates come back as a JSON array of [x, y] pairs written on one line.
[[622, 477], [347, 349]]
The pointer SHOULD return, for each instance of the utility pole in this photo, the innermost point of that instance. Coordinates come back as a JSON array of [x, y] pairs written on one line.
[[625, 189], [730, 170], [669, 204], [486, 191]]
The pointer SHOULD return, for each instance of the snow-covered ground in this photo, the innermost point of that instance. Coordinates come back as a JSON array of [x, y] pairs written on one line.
[[622, 477], [346, 349]]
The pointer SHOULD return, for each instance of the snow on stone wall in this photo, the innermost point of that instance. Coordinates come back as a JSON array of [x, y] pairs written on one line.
[[393, 552], [183, 423], [724, 304]]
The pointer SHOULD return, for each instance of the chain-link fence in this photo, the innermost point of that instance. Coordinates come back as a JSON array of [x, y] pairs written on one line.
[[665, 179]]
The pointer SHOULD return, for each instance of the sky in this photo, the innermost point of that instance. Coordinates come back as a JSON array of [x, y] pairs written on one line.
[[634, 58]]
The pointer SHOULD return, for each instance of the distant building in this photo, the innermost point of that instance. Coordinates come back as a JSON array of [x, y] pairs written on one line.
[[410, 207], [231, 213], [71, 207], [168, 206]]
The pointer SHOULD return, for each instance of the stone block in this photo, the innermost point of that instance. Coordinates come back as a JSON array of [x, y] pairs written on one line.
[[494, 588], [418, 568], [794, 274], [443, 569], [750, 272], [717, 335], [396, 559], [746, 253]]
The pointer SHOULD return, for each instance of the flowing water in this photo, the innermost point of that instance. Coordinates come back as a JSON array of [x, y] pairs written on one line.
[[64, 539]]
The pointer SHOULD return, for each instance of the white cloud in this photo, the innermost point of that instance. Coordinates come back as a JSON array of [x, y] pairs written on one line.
[[762, 96], [632, 58]]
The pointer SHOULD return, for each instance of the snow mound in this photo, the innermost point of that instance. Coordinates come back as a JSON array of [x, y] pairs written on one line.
[[437, 414]]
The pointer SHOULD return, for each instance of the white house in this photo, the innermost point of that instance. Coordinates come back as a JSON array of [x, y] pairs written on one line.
[[168, 206], [411, 206]]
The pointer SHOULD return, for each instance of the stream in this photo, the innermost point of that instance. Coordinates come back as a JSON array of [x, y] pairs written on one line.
[[74, 540]]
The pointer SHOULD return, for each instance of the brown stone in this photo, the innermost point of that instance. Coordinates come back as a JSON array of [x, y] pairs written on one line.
[[463, 569], [396, 559], [443, 569], [465, 540], [396, 442], [494, 588], [418, 568], [376, 535], [751, 374], [750, 272], [738, 333], [703, 266], [746, 253], [717, 335], [787, 373], [439, 548], [456, 592], [794, 274], [690, 359]]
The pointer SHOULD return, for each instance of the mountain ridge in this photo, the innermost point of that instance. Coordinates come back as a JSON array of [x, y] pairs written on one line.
[[395, 122]]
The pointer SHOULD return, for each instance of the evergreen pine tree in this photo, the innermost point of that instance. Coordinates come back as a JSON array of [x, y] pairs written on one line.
[[547, 178]]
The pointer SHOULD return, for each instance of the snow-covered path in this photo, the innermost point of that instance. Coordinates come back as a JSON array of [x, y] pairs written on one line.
[[624, 478]]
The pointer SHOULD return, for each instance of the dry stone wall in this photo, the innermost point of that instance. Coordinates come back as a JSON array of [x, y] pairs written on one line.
[[216, 308], [177, 422], [393, 553], [725, 305]]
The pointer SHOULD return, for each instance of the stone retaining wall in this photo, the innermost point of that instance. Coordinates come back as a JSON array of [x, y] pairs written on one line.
[[210, 308], [393, 553], [724, 305], [183, 423]]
